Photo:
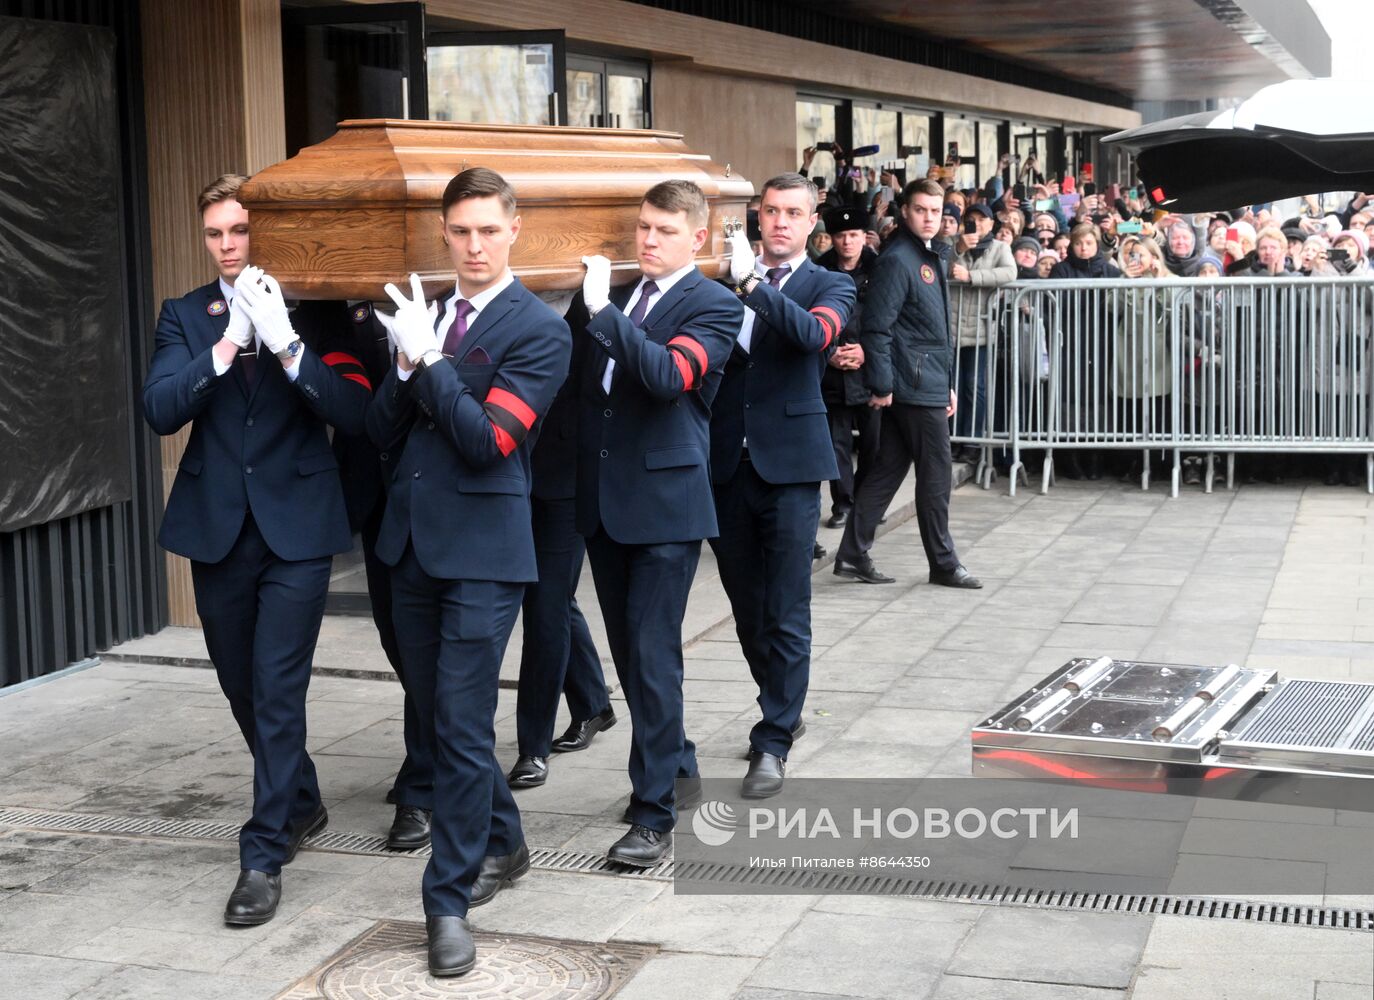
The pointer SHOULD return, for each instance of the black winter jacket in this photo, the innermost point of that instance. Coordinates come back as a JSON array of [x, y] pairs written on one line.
[[908, 350]]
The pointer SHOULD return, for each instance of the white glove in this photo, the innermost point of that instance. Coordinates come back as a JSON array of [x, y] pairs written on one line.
[[741, 257], [412, 328], [240, 328], [388, 322], [262, 297], [596, 286]]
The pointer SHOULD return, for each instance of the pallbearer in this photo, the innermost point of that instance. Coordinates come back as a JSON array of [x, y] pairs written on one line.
[[474, 372], [770, 451], [653, 356], [257, 508]]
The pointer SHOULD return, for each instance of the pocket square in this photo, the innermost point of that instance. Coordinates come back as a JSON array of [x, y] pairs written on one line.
[[477, 356]]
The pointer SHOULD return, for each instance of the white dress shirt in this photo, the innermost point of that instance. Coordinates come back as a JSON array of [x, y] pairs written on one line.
[[746, 330], [663, 284], [478, 302]]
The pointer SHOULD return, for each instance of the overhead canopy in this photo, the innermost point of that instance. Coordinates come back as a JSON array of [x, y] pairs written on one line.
[[1294, 138]]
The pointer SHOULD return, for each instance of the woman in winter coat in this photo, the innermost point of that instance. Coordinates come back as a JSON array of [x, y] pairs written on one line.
[[1081, 352], [1143, 376]]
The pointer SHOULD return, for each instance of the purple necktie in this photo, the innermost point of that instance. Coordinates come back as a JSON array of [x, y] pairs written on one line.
[[646, 292], [776, 274], [453, 340]]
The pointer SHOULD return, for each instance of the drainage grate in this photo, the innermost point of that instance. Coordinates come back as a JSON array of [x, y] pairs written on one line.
[[1305, 714], [797, 880]]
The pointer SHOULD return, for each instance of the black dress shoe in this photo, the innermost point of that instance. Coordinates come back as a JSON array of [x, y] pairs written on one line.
[[451, 951], [838, 519], [640, 847], [254, 899], [764, 777], [579, 735], [391, 796], [409, 830], [528, 772], [957, 577], [863, 570], [316, 822], [497, 871], [817, 551], [798, 731]]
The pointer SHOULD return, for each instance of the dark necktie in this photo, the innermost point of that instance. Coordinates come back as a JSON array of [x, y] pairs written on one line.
[[453, 340], [249, 358], [646, 292], [776, 274]]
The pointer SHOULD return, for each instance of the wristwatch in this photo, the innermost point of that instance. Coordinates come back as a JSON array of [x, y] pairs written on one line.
[[290, 350], [428, 358], [749, 283]]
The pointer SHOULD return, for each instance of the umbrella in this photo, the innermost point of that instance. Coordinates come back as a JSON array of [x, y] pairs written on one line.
[[1294, 138]]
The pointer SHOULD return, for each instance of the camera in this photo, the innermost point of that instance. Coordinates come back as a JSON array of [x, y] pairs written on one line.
[[828, 147]]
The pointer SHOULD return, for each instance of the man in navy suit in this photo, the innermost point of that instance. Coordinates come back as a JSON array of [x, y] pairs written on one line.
[[770, 451], [359, 331], [557, 654], [472, 378], [257, 508], [654, 356]]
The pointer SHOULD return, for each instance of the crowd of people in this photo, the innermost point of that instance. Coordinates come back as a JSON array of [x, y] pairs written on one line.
[[1023, 226]]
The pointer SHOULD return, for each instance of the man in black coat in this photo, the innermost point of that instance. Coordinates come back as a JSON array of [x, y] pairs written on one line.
[[909, 370]]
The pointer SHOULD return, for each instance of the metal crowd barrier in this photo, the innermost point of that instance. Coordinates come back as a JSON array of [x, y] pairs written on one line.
[[1205, 367]]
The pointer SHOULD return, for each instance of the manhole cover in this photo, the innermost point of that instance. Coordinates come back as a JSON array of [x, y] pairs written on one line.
[[388, 962]]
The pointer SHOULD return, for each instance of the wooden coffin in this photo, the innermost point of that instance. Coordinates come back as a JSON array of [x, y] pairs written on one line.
[[342, 218]]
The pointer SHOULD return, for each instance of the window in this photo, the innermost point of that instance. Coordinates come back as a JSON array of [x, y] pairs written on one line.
[[915, 133], [506, 78], [987, 151], [816, 125], [961, 139], [605, 93], [875, 126]]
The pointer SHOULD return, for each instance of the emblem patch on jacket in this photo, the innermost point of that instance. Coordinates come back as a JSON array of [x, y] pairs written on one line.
[[216, 308], [928, 274]]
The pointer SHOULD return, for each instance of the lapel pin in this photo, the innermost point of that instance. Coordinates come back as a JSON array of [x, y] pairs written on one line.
[[216, 308]]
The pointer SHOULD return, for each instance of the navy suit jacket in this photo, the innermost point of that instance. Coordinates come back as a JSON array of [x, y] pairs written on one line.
[[643, 448], [772, 393], [260, 447], [460, 492], [554, 459]]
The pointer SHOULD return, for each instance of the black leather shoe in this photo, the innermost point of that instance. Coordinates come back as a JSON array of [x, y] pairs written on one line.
[[409, 830], [317, 821], [498, 871], [640, 847], [838, 519], [528, 772], [579, 735], [764, 777], [451, 951], [254, 899], [817, 551], [957, 577], [391, 796], [864, 571]]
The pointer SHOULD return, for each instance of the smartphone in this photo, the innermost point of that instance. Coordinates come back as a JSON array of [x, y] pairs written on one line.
[[1044, 204], [1018, 191], [819, 182], [970, 225], [1113, 192], [1338, 256], [952, 156], [1130, 226], [1089, 189], [1133, 256]]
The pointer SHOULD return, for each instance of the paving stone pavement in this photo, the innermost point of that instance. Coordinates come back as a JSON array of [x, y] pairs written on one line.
[[1266, 576]]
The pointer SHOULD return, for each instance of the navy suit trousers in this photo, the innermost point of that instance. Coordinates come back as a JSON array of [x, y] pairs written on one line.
[[261, 618], [642, 590], [767, 532], [414, 785], [452, 635], [557, 653]]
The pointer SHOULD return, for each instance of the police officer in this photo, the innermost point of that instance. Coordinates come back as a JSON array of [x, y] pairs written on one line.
[[257, 508], [469, 388], [909, 371], [842, 385], [770, 450], [654, 353]]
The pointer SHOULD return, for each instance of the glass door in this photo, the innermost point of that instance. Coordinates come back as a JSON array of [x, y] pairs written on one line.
[[364, 61], [604, 93], [497, 77]]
